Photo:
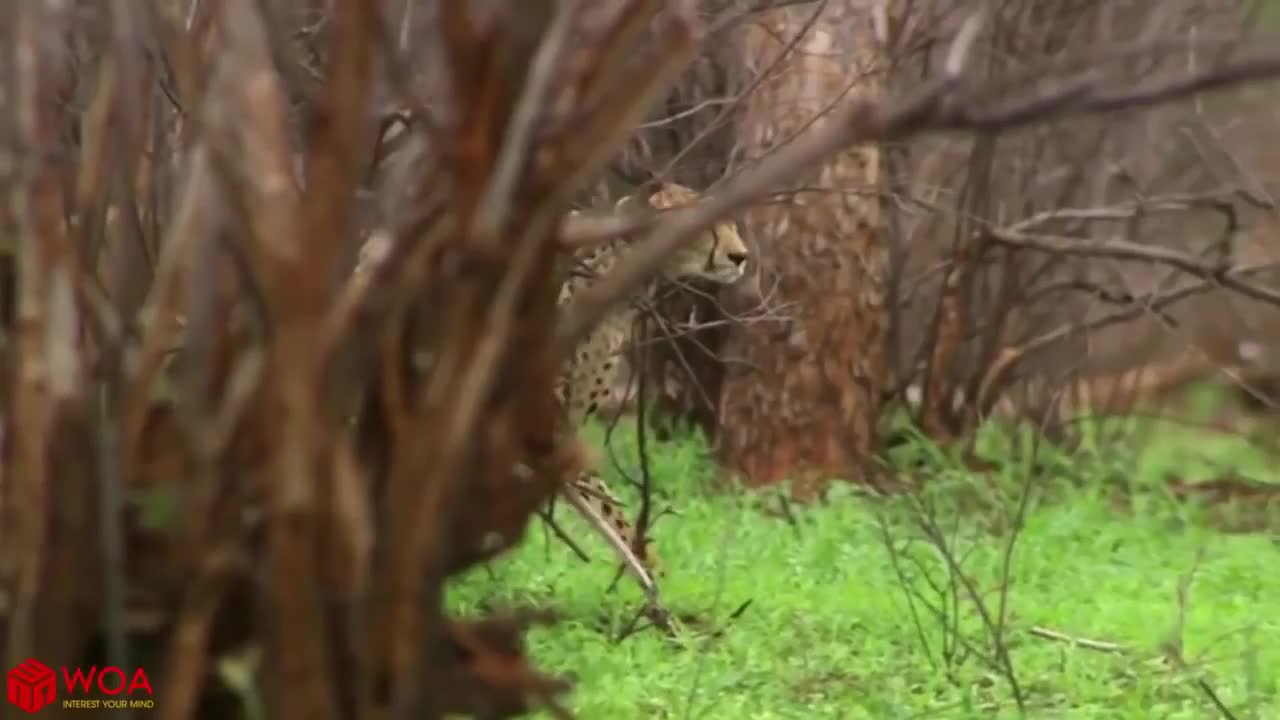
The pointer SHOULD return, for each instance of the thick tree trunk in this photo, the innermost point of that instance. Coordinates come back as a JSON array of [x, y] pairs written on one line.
[[804, 403]]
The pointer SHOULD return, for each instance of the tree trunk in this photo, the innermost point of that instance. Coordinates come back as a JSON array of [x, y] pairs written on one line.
[[804, 402]]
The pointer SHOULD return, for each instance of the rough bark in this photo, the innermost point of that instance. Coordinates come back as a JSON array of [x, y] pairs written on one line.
[[804, 402]]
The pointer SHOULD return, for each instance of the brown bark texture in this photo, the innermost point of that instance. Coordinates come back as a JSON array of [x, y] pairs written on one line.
[[802, 401]]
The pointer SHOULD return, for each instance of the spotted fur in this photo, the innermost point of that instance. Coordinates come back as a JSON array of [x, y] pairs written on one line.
[[583, 386], [720, 255]]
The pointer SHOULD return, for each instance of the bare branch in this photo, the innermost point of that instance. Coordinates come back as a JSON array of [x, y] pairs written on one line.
[[942, 105], [1124, 250]]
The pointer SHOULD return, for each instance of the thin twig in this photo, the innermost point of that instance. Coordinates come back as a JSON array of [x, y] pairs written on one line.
[[1086, 643]]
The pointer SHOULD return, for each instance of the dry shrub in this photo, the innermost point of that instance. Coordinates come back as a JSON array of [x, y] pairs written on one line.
[[218, 443], [1119, 221], [221, 446], [992, 217]]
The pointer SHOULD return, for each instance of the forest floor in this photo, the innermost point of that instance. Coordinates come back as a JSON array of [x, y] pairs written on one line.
[[810, 614]]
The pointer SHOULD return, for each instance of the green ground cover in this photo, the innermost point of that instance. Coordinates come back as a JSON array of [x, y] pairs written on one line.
[[837, 626]]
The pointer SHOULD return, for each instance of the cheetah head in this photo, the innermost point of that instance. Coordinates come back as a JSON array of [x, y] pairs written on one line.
[[720, 255]]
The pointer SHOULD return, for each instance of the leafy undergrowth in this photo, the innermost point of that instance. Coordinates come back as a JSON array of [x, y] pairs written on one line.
[[806, 613]]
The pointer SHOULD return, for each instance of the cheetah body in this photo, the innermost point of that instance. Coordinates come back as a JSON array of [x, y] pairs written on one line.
[[584, 382], [720, 256]]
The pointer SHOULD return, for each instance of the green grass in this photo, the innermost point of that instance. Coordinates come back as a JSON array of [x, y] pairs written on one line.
[[829, 629]]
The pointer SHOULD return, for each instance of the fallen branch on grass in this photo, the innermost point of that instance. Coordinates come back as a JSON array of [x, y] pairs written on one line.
[[1086, 643]]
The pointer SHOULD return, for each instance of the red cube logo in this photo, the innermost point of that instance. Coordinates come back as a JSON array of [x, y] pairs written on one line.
[[31, 685]]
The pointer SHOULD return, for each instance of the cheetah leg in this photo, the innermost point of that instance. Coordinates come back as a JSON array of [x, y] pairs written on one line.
[[613, 510], [593, 501], [590, 508]]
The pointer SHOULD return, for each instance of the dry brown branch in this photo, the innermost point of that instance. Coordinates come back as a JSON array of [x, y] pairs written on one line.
[[581, 229], [190, 180], [46, 578], [995, 377], [945, 104], [1120, 249], [294, 282], [952, 316]]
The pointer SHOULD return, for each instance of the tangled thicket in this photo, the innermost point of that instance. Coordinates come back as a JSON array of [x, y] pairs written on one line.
[[216, 440], [320, 489]]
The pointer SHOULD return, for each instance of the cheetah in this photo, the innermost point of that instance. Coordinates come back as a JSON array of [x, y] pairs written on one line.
[[720, 255], [585, 382]]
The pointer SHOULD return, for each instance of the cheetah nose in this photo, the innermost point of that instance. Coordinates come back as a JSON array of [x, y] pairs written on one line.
[[737, 258]]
